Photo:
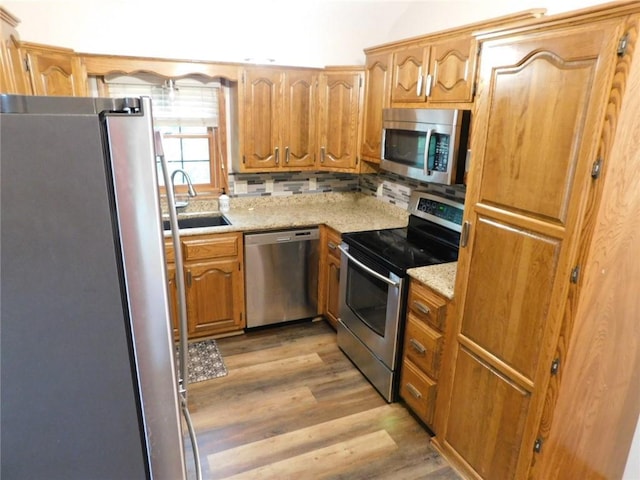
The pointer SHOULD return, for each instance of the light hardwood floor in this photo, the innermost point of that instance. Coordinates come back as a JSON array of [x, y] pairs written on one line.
[[294, 407]]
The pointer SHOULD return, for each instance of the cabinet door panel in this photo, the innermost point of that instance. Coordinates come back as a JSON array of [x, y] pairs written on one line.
[[377, 97], [173, 298], [261, 117], [452, 68], [521, 265], [55, 73], [488, 435], [539, 131], [409, 71], [213, 297], [299, 126], [339, 117], [333, 290]]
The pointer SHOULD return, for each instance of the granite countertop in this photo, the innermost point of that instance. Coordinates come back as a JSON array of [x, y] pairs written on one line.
[[441, 278], [344, 212]]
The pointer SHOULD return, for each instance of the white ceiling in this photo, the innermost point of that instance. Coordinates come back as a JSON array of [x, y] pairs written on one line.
[[293, 32]]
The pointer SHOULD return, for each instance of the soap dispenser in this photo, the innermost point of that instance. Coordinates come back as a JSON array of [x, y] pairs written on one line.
[[223, 202]]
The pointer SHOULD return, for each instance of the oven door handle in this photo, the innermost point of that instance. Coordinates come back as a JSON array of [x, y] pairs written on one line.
[[368, 270]]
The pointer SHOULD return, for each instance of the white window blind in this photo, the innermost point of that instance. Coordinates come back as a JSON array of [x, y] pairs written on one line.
[[191, 103]]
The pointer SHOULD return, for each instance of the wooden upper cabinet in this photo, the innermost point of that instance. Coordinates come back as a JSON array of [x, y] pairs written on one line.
[[440, 71], [452, 67], [377, 80], [54, 71], [340, 100], [261, 114], [279, 119], [299, 119], [539, 109], [13, 78], [410, 68]]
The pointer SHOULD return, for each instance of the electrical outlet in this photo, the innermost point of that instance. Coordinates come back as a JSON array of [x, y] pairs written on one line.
[[313, 184], [379, 190], [269, 186]]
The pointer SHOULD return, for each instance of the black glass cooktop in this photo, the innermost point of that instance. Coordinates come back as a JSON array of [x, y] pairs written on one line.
[[422, 243]]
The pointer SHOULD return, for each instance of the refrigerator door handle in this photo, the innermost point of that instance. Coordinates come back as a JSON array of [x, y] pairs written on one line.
[[182, 304]]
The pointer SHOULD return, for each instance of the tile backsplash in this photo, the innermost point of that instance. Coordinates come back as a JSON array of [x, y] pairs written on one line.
[[387, 187]]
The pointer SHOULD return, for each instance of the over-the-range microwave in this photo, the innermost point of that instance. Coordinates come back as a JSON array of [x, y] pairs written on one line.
[[426, 144]]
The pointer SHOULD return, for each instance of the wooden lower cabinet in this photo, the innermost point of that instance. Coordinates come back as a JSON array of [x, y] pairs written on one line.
[[214, 278], [422, 353], [329, 284]]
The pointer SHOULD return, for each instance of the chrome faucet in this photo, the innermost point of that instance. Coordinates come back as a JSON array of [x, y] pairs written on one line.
[[191, 190]]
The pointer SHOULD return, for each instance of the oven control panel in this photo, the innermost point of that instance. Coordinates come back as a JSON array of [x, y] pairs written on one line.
[[445, 211]]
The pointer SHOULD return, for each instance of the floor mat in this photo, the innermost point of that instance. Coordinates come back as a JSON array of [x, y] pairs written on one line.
[[205, 361]]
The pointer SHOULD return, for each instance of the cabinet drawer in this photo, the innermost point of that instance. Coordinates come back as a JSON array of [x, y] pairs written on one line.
[[426, 305], [211, 246], [423, 346], [419, 391]]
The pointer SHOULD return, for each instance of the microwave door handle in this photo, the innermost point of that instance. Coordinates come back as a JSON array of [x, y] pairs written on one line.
[[368, 270], [426, 152]]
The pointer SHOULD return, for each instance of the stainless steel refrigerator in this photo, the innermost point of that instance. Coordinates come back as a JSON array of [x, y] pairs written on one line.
[[89, 385]]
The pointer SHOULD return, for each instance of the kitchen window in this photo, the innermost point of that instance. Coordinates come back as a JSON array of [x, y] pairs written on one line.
[[189, 112]]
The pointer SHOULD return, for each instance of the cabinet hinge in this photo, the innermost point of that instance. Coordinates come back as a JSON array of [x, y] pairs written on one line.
[[623, 44], [188, 278], [360, 81], [575, 274], [596, 168], [555, 366], [244, 159], [27, 68], [537, 445], [243, 77]]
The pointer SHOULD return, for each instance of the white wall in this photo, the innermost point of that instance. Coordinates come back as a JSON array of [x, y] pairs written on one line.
[[293, 32]]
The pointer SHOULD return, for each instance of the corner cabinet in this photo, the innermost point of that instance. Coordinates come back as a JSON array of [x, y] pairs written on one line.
[[214, 278], [339, 105], [545, 295], [278, 119], [329, 281]]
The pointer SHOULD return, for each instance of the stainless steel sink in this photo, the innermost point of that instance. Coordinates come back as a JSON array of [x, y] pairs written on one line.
[[199, 222]]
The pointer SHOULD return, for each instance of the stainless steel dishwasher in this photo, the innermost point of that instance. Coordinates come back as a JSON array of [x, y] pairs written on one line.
[[281, 272]]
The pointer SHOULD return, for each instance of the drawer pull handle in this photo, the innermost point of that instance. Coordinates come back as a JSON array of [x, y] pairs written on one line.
[[421, 307], [417, 346], [332, 245], [414, 391]]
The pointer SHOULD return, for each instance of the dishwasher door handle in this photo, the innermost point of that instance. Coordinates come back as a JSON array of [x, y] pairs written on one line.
[[283, 239], [369, 270]]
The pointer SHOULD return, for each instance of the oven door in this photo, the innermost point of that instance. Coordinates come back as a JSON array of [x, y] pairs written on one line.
[[371, 304]]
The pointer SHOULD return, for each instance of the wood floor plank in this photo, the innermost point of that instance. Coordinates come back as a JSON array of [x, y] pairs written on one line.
[[324, 462], [256, 454], [292, 396]]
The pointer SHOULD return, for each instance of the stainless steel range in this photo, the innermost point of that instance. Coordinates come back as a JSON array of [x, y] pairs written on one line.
[[374, 284]]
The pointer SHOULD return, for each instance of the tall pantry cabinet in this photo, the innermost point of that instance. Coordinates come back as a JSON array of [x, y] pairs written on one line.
[[543, 357]]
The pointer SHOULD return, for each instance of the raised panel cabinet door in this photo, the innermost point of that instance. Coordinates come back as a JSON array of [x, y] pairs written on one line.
[[538, 113], [214, 297], [377, 81], [261, 117], [339, 110], [409, 71], [55, 73], [299, 119], [452, 70]]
